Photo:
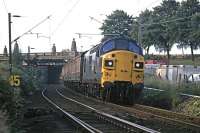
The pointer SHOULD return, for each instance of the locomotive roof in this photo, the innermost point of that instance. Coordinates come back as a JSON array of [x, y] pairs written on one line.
[[118, 38], [96, 47]]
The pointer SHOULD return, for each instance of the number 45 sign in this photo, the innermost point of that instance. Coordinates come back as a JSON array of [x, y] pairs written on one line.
[[14, 80]]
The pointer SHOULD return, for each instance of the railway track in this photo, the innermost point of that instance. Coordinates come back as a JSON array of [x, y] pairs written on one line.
[[169, 121], [168, 116], [39, 117], [177, 117], [88, 119]]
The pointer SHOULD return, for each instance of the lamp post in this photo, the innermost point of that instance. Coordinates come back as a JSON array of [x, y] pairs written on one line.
[[9, 40], [29, 51], [29, 54], [10, 48]]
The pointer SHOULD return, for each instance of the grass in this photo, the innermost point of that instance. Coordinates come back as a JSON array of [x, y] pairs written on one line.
[[169, 99], [190, 107], [189, 88], [165, 100]]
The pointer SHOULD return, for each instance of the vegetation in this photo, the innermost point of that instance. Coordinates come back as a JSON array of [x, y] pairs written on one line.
[[169, 98], [118, 23], [190, 107], [188, 88], [12, 98], [188, 35], [167, 24], [164, 34]]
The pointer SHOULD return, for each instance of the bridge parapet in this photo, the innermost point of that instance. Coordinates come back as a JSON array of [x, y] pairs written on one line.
[[3, 58]]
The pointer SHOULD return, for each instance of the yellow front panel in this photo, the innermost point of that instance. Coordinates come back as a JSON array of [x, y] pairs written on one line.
[[123, 68]]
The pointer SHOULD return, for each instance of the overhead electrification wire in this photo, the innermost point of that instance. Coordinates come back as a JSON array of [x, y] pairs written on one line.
[[64, 18], [29, 31], [93, 34], [5, 7], [98, 21], [162, 22], [50, 31], [149, 5], [152, 3]]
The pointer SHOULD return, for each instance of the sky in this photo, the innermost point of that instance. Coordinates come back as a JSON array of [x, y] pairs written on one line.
[[67, 17]]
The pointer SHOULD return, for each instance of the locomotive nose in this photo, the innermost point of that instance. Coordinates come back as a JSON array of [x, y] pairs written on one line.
[[122, 66]]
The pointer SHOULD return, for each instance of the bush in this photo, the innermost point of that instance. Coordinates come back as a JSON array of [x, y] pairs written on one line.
[[12, 98], [166, 99], [190, 107], [189, 88], [170, 96]]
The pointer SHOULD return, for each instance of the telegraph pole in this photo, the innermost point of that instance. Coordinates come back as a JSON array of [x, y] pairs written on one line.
[[139, 31], [10, 47]]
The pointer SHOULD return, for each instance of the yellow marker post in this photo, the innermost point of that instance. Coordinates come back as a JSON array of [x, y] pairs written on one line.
[[14, 80]]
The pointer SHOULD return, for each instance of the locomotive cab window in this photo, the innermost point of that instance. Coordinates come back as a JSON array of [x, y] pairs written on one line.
[[107, 47], [121, 44]]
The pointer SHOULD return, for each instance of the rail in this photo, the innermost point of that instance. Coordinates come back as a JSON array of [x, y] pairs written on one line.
[[82, 124], [169, 115], [160, 115], [115, 120]]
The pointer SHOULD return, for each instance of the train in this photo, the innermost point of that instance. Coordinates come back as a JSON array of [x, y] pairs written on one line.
[[112, 71]]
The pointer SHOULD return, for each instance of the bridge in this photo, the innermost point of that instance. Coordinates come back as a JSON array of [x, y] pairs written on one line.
[[50, 64], [3, 58]]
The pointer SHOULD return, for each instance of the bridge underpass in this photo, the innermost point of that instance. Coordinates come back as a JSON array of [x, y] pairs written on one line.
[[54, 74], [50, 69]]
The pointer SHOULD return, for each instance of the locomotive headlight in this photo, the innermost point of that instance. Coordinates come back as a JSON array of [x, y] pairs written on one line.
[[139, 65], [109, 63]]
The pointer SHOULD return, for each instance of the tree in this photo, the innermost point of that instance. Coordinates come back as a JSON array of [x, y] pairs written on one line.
[[119, 23], [145, 37], [164, 30], [188, 27], [17, 58]]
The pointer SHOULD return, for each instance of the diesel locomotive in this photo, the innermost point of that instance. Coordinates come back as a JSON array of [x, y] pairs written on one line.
[[112, 70]]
